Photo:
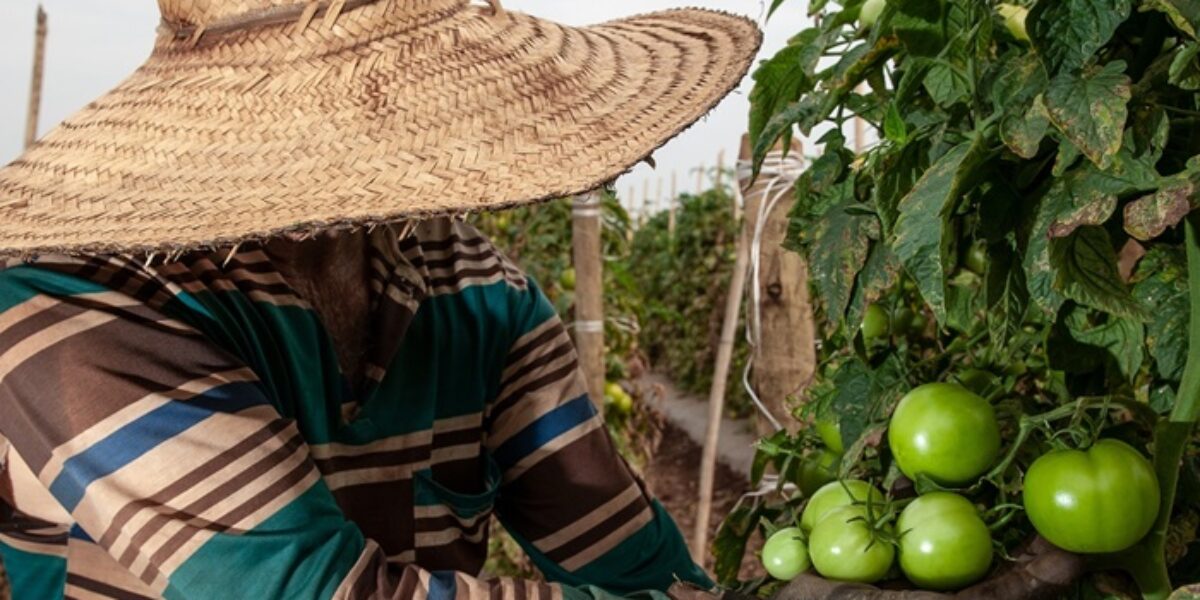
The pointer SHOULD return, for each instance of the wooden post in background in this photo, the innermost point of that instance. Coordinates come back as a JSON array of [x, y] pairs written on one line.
[[589, 292], [658, 197], [35, 87], [716, 397], [785, 356], [720, 168], [641, 218], [671, 201], [700, 180]]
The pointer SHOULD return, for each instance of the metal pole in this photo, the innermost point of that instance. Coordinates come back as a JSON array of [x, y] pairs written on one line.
[[35, 87]]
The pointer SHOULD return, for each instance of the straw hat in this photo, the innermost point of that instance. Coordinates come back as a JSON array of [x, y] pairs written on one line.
[[257, 117]]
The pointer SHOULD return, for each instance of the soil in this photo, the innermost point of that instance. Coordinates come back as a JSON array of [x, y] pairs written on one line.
[[672, 474]]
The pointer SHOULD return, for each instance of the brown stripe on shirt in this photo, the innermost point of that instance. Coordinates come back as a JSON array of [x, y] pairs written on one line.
[[82, 366], [392, 529], [576, 480], [190, 513], [183, 484]]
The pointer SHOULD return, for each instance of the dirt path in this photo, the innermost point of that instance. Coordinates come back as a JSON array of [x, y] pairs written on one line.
[[672, 474]]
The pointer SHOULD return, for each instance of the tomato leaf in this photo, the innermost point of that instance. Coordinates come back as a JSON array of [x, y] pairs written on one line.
[[729, 545], [1161, 286], [1149, 216], [1184, 14], [1086, 271], [894, 128], [1023, 132], [1006, 297], [1090, 109], [1067, 33], [1075, 200], [1080, 345], [922, 241], [838, 252], [1185, 67], [878, 275]]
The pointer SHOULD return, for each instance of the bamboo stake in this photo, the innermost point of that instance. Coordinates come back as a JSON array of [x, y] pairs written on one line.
[[860, 128], [589, 292], [658, 197], [671, 205], [35, 87], [645, 201], [716, 397], [700, 180]]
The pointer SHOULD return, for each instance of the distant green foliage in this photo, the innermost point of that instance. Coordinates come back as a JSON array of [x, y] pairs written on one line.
[[683, 282]]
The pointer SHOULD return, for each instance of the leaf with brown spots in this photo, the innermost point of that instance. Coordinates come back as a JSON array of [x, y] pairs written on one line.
[[1149, 216], [1089, 108]]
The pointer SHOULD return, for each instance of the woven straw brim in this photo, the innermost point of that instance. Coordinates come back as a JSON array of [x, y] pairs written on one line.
[[377, 117]]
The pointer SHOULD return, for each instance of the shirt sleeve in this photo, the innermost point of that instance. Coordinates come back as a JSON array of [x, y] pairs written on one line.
[[167, 454], [566, 495]]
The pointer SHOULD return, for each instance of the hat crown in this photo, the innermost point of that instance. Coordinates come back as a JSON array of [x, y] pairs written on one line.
[[195, 12], [207, 12]]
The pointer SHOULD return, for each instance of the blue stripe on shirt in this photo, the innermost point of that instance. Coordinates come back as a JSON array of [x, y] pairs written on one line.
[[145, 433], [442, 586], [540, 432]]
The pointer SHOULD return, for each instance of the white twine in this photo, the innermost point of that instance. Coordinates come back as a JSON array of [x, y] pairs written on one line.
[[589, 326], [781, 173]]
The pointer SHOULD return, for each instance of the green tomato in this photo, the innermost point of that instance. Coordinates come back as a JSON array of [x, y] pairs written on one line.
[[567, 279], [1014, 20], [944, 544], [870, 13], [834, 495], [784, 555], [617, 398], [1103, 499], [843, 548], [875, 323], [817, 471], [977, 259], [945, 432], [831, 434]]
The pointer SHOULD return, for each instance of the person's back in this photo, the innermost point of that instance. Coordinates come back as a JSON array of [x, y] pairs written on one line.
[[193, 411], [191, 420]]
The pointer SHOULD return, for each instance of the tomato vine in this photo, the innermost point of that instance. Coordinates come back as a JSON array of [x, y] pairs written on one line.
[[1030, 198]]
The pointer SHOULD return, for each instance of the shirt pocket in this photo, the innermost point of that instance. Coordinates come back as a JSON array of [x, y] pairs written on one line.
[[450, 526]]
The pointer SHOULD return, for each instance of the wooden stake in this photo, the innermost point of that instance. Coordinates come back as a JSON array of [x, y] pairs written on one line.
[[645, 201], [700, 180], [35, 87], [716, 397], [589, 292], [785, 356], [671, 204], [860, 127]]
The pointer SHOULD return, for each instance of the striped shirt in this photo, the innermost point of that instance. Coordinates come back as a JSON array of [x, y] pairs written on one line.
[[184, 430]]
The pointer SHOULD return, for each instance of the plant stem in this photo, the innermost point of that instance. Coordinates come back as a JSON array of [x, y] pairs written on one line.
[[1171, 436]]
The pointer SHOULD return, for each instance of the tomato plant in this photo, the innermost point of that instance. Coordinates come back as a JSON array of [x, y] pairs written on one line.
[[944, 544], [1030, 195], [1103, 499]]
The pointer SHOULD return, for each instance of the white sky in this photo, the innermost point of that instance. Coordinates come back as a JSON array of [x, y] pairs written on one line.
[[93, 44]]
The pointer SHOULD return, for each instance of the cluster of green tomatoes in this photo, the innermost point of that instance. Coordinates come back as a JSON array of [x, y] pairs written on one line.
[[1100, 500]]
